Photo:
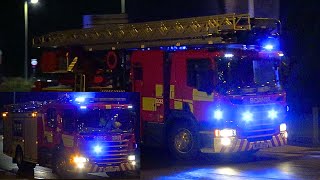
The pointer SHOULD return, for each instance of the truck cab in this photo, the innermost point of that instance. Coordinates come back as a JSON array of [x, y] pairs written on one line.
[[74, 136]]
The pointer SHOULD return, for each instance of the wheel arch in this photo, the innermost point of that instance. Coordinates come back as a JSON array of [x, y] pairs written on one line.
[[177, 117]]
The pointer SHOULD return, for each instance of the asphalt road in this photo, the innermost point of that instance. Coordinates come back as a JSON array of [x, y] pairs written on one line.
[[8, 170], [289, 162]]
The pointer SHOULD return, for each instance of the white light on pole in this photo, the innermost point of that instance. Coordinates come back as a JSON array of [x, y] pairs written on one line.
[[34, 1], [26, 36]]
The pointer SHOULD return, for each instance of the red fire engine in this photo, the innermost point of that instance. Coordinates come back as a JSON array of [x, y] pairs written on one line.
[[207, 84], [72, 135]]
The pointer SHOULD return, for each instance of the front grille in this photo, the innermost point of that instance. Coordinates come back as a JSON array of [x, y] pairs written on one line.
[[261, 127], [113, 153]]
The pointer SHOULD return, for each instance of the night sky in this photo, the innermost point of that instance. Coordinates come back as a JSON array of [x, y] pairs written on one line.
[[300, 27]]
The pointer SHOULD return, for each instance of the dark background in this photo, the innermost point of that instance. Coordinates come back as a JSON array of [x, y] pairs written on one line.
[[300, 25]]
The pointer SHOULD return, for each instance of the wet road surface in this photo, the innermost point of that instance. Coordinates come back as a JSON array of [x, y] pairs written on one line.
[[289, 162]]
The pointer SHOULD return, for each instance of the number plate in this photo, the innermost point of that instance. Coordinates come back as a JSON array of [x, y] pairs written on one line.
[[111, 169], [260, 145]]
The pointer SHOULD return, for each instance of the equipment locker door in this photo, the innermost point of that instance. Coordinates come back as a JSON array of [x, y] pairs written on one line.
[[7, 135], [30, 137]]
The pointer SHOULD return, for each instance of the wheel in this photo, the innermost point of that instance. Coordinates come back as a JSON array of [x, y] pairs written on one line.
[[59, 165], [184, 141], [22, 165]]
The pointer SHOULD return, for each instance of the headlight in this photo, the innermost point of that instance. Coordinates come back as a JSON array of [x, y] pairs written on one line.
[[218, 114], [131, 157], [272, 114], [225, 133], [226, 141], [80, 161], [283, 127], [247, 116]]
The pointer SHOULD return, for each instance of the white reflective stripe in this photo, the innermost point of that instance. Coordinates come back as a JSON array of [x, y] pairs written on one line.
[[129, 166], [237, 146], [89, 167], [250, 146], [281, 140], [269, 143], [244, 145], [95, 168], [123, 167], [275, 140]]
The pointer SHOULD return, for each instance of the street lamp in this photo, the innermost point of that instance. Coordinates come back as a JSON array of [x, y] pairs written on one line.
[[26, 36]]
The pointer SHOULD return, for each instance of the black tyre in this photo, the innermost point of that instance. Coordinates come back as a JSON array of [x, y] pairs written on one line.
[[183, 141], [22, 165], [59, 165]]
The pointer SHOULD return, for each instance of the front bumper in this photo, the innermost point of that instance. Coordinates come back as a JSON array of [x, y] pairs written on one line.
[[94, 168], [243, 145]]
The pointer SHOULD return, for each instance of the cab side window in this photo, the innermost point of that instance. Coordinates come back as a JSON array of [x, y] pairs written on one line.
[[17, 129], [199, 74], [68, 120], [52, 118]]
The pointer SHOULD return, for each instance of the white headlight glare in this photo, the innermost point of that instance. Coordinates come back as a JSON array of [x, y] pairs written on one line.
[[218, 114], [227, 132], [247, 116], [131, 157], [272, 114], [79, 159], [226, 141], [283, 127]]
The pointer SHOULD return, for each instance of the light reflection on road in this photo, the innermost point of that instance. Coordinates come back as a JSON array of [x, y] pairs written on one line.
[[232, 174]]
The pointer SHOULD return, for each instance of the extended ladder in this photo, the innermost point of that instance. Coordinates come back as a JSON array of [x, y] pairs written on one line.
[[196, 30]]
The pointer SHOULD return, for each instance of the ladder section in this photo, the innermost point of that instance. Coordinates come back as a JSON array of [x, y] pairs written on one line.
[[139, 35]]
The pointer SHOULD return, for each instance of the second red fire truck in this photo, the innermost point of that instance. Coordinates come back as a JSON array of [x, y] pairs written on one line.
[[72, 135], [207, 84]]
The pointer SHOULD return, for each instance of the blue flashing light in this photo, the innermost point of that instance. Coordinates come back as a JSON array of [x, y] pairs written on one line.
[[272, 114], [247, 116], [281, 54], [83, 107], [80, 99], [218, 114], [97, 149], [269, 47]]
